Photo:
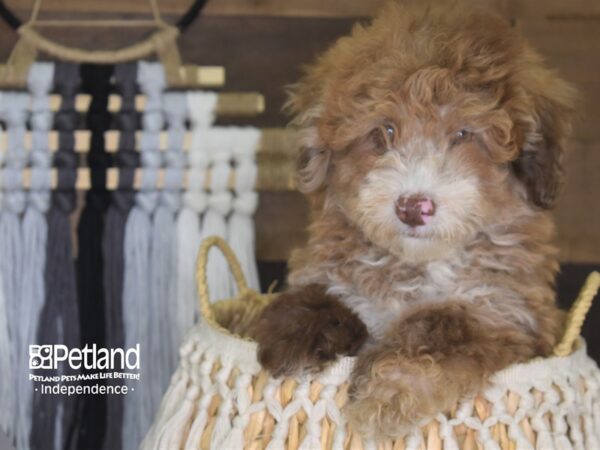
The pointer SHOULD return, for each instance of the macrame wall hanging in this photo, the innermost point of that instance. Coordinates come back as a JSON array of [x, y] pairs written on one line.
[[140, 139]]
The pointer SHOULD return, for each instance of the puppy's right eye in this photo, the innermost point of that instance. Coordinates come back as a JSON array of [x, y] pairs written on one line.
[[384, 137]]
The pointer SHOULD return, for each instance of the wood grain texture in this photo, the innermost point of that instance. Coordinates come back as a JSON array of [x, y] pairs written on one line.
[[289, 8], [577, 213], [573, 48], [555, 10], [76, 8], [281, 221], [312, 8], [261, 54]]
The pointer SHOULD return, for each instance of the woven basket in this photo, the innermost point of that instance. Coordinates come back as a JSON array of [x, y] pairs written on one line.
[[220, 398]]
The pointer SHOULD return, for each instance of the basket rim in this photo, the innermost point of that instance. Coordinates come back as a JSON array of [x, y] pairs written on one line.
[[241, 352]]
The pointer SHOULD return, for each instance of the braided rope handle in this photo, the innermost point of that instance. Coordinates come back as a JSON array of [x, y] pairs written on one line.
[[577, 315], [202, 283]]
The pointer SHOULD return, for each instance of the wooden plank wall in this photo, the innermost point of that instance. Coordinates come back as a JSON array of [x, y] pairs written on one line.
[[263, 44]]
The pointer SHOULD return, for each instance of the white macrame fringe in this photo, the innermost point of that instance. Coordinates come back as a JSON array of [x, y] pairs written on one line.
[[163, 256], [139, 315], [22, 312], [188, 242], [217, 144], [7, 397], [177, 112], [241, 235], [201, 107], [135, 312], [35, 233], [7, 391]]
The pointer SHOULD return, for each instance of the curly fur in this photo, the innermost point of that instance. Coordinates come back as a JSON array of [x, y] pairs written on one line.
[[471, 291], [313, 327]]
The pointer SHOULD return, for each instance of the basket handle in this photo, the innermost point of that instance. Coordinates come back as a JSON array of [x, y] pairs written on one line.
[[202, 263], [577, 314]]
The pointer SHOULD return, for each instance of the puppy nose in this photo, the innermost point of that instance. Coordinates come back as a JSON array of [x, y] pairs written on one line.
[[414, 210]]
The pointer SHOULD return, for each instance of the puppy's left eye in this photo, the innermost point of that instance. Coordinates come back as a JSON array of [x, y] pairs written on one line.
[[461, 135], [390, 131]]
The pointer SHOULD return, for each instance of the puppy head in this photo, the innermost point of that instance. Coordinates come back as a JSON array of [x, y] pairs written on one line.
[[430, 125]]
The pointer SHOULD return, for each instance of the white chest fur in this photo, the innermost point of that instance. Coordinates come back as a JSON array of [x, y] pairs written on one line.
[[382, 291]]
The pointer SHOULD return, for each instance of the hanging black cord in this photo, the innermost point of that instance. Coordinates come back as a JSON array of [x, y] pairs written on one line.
[[13, 21], [182, 23], [188, 18]]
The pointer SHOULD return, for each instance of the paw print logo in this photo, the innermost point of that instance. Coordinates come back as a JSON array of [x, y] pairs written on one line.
[[40, 357]]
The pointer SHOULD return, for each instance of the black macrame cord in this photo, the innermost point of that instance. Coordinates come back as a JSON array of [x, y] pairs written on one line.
[[90, 268], [59, 320]]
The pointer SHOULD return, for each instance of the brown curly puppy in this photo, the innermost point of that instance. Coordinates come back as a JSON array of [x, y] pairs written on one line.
[[431, 150]]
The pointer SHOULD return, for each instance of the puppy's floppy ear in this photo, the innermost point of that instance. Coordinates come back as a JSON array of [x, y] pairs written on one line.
[[545, 124], [305, 104], [311, 169]]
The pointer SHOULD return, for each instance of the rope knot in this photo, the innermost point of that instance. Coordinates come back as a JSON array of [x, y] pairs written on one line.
[[220, 202], [196, 201], [151, 159], [245, 176], [151, 78], [175, 159], [201, 106], [175, 109], [198, 158], [153, 121], [170, 200], [219, 177], [15, 201], [245, 142], [40, 200], [12, 179], [41, 159], [42, 121], [149, 179], [246, 203], [147, 200]]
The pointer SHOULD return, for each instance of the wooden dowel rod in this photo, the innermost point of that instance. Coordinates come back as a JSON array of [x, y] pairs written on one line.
[[240, 104], [192, 77], [273, 141], [283, 182]]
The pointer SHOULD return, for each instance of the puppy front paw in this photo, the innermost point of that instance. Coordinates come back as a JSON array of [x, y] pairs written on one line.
[[305, 329], [378, 416], [389, 395]]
